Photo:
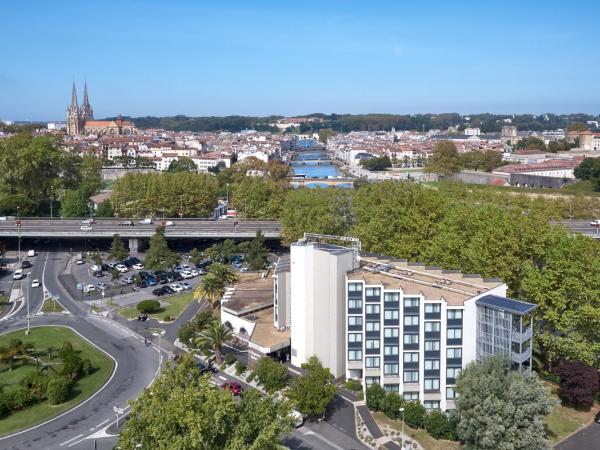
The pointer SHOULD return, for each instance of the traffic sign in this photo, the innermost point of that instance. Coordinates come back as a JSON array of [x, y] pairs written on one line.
[[118, 410]]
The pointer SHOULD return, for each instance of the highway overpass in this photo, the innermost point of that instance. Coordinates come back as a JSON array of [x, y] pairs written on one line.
[[106, 228], [581, 227]]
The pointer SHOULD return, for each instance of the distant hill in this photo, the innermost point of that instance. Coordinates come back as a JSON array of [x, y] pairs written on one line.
[[366, 122]]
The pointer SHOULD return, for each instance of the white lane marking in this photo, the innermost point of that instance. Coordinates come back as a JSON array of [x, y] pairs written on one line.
[[13, 311], [320, 437], [76, 442], [72, 439], [101, 423], [222, 377]]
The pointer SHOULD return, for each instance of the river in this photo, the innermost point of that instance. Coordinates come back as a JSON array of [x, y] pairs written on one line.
[[315, 164]]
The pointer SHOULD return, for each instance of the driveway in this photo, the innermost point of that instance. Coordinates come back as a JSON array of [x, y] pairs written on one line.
[[586, 439]]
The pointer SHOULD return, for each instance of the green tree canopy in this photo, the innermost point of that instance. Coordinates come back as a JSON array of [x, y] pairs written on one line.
[[75, 203], [118, 252], [159, 256], [314, 390], [257, 252], [183, 164], [445, 159], [270, 374], [377, 163]]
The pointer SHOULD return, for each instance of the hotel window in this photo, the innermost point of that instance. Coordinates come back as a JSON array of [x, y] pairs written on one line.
[[453, 353], [411, 321], [410, 396], [372, 292], [371, 309], [432, 346], [372, 361], [391, 314], [372, 343], [432, 308], [411, 376], [354, 303], [450, 394], [354, 287], [411, 339], [390, 350], [354, 321], [391, 388], [452, 372], [355, 337], [372, 326], [391, 332], [454, 333], [390, 369], [432, 327], [411, 302], [432, 364], [371, 380], [432, 384], [391, 297], [455, 314], [431, 404], [411, 357], [354, 355]]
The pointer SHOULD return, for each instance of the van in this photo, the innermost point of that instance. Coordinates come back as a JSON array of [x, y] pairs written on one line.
[[31, 253], [145, 222]]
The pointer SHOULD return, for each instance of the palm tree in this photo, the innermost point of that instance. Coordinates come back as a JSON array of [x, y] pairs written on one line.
[[213, 337], [223, 273], [210, 288]]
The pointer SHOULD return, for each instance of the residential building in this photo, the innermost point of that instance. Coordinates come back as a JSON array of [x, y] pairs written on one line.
[[589, 141]]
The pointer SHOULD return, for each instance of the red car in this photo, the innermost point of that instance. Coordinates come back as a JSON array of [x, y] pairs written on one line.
[[234, 388]]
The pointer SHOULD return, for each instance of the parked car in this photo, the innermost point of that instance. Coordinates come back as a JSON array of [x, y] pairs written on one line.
[[35, 283], [121, 268], [128, 279], [86, 228], [297, 418], [185, 285], [244, 269], [18, 274], [186, 273], [177, 287], [234, 388], [138, 266], [151, 281], [195, 273], [143, 274], [142, 317], [141, 284], [170, 277], [595, 223], [159, 292], [105, 267], [206, 369], [79, 261], [102, 285], [126, 223], [597, 418], [169, 290], [25, 265], [185, 267], [134, 260], [89, 288], [88, 221]]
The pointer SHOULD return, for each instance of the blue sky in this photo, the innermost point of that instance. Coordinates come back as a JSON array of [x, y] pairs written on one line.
[[296, 57]]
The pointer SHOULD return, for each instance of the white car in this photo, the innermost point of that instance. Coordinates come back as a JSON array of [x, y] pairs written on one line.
[[185, 267], [86, 228], [177, 287], [138, 266], [186, 273], [89, 288], [35, 283], [185, 285], [169, 223], [195, 273], [18, 274], [595, 223], [121, 268], [244, 269], [145, 222]]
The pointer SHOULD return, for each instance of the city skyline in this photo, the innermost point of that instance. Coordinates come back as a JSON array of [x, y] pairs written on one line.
[[183, 58]]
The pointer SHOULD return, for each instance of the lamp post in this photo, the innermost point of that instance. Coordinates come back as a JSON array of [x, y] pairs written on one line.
[[227, 195], [402, 411], [27, 299], [19, 239], [158, 333]]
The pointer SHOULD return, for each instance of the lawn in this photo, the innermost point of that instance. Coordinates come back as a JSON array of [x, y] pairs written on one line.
[[173, 307], [43, 338], [421, 436], [563, 420], [50, 306]]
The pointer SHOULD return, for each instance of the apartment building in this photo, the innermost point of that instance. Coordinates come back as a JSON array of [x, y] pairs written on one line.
[[413, 328]]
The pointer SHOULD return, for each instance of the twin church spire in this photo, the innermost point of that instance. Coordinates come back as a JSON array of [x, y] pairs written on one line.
[[77, 116]]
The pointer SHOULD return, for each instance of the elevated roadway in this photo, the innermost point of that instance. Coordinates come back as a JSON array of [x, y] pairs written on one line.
[[582, 227]]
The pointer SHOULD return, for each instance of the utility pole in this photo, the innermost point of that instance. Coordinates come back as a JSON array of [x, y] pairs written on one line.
[[27, 300]]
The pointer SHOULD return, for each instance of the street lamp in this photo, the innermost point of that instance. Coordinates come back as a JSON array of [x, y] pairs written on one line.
[[402, 411], [27, 299], [158, 333], [18, 222]]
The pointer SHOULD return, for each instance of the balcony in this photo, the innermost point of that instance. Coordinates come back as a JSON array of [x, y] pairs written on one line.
[[521, 337], [520, 358]]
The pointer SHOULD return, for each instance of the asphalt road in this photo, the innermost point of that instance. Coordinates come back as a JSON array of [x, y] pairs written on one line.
[[583, 227], [186, 228], [586, 439]]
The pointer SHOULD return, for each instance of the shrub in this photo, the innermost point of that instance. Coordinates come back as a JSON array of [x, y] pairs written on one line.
[[229, 359], [58, 390], [168, 318], [549, 376], [578, 384], [240, 368], [36, 382], [414, 414], [353, 385], [86, 367], [375, 396], [19, 398], [4, 403], [251, 377], [270, 374], [148, 306], [391, 405], [437, 425]]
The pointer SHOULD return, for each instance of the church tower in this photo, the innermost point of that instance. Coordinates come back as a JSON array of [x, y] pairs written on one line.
[[86, 109], [73, 120]]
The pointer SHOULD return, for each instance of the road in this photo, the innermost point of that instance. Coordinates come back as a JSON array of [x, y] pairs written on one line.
[[586, 439], [105, 228], [582, 227]]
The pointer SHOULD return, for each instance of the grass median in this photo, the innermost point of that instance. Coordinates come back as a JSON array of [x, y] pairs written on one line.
[[43, 339], [170, 307]]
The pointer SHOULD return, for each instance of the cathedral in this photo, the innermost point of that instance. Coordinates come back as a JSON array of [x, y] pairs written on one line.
[[80, 120]]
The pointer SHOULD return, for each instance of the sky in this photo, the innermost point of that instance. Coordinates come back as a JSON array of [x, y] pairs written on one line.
[[213, 58]]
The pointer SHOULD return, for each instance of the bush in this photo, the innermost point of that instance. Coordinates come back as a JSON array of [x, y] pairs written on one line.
[[414, 414], [437, 425], [270, 374], [353, 385], [251, 377], [4, 403], [168, 318], [148, 306], [578, 384], [86, 367], [240, 368], [36, 382], [375, 396], [229, 359], [19, 398], [58, 390], [549, 376], [391, 405]]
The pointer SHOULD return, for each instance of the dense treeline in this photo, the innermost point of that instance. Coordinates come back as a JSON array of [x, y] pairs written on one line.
[[367, 122]]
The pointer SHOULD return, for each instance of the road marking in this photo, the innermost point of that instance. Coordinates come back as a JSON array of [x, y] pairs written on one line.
[[76, 442], [222, 377], [101, 423], [72, 439], [320, 437]]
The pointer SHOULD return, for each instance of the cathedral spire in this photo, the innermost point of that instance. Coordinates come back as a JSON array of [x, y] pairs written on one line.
[[74, 97], [87, 112]]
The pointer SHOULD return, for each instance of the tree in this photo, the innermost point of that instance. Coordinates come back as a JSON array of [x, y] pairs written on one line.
[[270, 374], [195, 256], [148, 306], [438, 425], [445, 160], [257, 252], [118, 252], [377, 163], [500, 408], [181, 409], [58, 390], [578, 384], [391, 405], [532, 143], [313, 390], [414, 414], [213, 337], [211, 289], [375, 396], [580, 127], [486, 161], [105, 209], [159, 256], [589, 169], [75, 203], [182, 164], [222, 273]]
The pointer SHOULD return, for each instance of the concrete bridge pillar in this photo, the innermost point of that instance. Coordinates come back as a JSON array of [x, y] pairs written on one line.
[[134, 245]]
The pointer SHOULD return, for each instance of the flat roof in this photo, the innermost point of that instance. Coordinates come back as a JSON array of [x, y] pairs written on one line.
[[265, 334], [249, 296], [506, 304]]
